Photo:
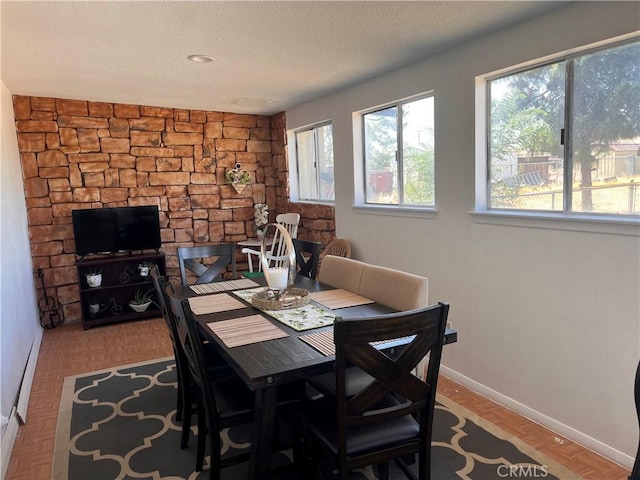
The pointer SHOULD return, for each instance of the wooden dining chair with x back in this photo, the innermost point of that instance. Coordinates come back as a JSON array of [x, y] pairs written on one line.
[[207, 262], [307, 257], [391, 416]]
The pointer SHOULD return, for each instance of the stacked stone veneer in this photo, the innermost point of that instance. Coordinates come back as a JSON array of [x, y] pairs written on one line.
[[81, 154]]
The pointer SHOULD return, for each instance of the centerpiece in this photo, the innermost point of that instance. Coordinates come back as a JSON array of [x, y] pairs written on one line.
[[279, 267]]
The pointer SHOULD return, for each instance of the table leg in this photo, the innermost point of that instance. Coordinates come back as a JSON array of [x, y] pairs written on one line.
[[262, 435]]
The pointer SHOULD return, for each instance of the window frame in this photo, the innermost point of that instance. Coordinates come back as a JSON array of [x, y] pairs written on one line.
[[400, 208], [483, 134], [295, 153]]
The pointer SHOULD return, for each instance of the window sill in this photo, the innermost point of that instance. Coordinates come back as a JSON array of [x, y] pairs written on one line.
[[393, 211], [577, 223], [328, 203]]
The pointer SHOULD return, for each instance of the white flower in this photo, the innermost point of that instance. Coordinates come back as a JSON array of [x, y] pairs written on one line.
[[261, 215]]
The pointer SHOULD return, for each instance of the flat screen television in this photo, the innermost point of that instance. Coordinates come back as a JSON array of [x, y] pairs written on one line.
[[112, 230]]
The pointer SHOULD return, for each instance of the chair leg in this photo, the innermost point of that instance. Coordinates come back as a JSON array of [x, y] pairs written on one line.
[[383, 470], [186, 419], [180, 402], [214, 459], [202, 435]]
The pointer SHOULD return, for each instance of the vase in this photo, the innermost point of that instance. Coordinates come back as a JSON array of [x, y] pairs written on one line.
[[279, 264], [94, 279], [260, 234]]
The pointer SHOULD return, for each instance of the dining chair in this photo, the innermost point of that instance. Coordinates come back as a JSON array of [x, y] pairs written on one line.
[[221, 401], [160, 284], [391, 416], [338, 247], [213, 361], [198, 260], [288, 220], [307, 256]]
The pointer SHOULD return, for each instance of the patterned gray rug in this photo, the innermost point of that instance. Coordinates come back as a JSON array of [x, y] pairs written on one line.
[[120, 424]]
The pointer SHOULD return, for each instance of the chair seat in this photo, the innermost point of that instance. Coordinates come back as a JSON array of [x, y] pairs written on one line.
[[356, 380], [233, 397], [363, 438]]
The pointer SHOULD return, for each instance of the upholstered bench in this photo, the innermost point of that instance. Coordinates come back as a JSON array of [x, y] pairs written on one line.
[[390, 287]]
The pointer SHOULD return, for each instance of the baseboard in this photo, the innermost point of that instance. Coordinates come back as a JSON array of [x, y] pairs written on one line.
[[27, 379], [548, 422], [19, 412], [8, 439]]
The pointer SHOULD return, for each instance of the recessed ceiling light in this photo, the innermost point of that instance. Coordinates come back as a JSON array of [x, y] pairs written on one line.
[[200, 58]]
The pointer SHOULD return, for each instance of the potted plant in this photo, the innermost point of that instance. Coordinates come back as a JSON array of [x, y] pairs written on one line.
[[261, 218], [144, 268], [141, 300], [94, 277], [238, 177], [94, 306]]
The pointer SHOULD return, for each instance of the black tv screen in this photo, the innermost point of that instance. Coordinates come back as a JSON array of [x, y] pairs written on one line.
[[111, 230]]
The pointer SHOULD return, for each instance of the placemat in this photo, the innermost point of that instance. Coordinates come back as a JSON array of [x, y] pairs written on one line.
[[246, 330], [339, 298], [217, 287], [218, 302], [323, 341]]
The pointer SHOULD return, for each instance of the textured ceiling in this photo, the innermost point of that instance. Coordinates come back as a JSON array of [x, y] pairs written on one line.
[[268, 56]]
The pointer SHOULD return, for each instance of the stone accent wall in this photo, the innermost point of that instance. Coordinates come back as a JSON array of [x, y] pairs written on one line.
[[81, 154]]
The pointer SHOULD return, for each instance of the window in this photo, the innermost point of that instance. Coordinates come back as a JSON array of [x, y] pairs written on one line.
[[314, 154], [399, 154], [565, 137]]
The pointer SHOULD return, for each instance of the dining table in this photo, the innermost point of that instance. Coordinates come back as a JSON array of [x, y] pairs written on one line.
[[276, 347]]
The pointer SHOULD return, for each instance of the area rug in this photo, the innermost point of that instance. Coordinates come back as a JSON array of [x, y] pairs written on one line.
[[120, 423]]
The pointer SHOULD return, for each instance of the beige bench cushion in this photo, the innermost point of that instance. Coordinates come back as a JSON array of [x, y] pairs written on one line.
[[340, 272], [394, 288]]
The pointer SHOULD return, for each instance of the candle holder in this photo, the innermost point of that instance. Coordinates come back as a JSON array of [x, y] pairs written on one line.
[[279, 262]]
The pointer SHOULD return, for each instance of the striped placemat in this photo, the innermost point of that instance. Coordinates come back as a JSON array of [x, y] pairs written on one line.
[[339, 298], [246, 330], [218, 302], [323, 341], [217, 287]]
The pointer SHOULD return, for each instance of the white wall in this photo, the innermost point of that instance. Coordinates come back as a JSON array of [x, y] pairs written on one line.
[[19, 324], [548, 318]]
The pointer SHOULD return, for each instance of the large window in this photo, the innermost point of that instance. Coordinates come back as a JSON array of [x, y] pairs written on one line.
[[399, 154], [314, 153], [565, 136]]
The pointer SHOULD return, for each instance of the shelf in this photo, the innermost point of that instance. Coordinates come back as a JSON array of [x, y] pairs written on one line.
[[120, 278]]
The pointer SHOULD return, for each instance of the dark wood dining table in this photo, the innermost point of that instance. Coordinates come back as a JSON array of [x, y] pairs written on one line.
[[264, 366]]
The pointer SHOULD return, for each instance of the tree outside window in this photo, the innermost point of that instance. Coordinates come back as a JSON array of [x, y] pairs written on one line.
[[565, 137], [399, 154]]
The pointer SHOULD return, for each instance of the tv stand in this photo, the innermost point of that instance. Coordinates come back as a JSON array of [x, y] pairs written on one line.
[[121, 278]]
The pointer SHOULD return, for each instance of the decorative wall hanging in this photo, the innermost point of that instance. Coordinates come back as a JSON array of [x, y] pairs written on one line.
[[238, 178]]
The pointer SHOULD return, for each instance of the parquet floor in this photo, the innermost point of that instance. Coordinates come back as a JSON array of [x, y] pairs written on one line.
[[69, 350]]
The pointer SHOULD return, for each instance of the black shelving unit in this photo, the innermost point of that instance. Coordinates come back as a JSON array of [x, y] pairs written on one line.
[[121, 278]]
